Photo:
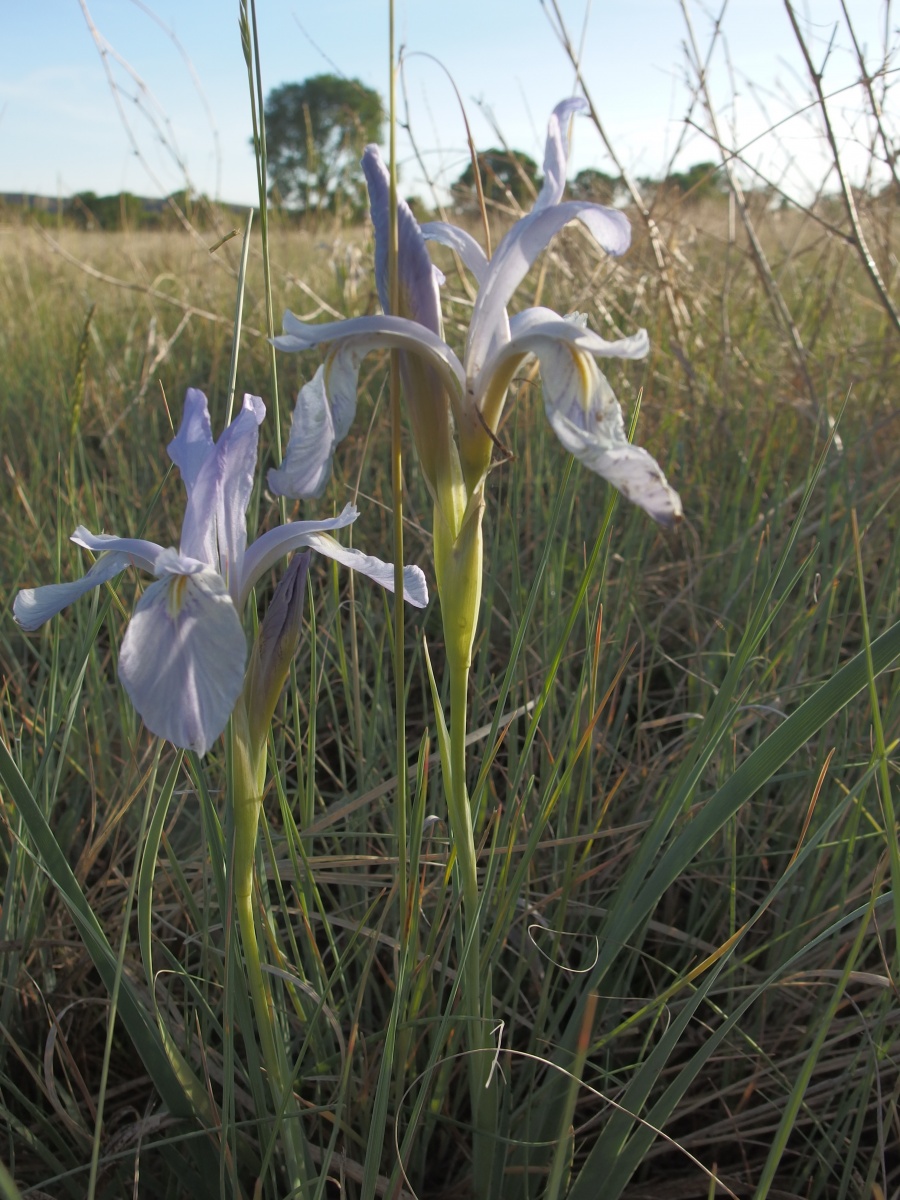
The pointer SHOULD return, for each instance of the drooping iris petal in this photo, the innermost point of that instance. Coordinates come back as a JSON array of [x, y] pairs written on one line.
[[420, 299], [193, 443], [383, 333], [341, 372], [33, 606], [463, 243], [415, 589], [433, 377], [586, 417], [433, 381], [630, 469], [532, 329], [574, 328], [139, 552], [306, 468], [321, 419], [515, 256], [182, 658], [277, 542]]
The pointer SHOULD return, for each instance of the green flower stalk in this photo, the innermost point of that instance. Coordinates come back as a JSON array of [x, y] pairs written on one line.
[[455, 407], [270, 662]]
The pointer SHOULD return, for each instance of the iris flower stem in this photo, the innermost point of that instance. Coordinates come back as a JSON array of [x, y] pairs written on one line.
[[463, 833], [459, 556], [247, 809], [476, 998]]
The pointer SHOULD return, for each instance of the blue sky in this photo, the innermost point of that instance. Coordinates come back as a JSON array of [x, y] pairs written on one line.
[[187, 101]]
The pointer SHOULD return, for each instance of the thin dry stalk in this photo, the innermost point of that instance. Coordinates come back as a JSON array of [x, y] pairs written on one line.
[[859, 239], [773, 291], [867, 80], [681, 319]]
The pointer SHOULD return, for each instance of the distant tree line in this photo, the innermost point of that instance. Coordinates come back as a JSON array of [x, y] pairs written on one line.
[[121, 211], [509, 178], [124, 210], [512, 178]]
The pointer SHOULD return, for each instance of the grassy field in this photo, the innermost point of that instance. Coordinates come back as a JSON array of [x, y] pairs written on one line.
[[683, 745]]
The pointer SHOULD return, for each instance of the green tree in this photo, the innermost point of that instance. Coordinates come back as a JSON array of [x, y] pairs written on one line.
[[591, 184], [504, 174], [120, 211], [702, 179], [315, 133]]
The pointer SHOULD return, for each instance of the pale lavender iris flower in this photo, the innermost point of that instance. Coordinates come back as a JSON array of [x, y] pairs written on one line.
[[184, 652], [578, 400]]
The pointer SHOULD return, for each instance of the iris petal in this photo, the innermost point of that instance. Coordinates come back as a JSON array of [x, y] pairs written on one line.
[[236, 451], [277, 542], [415, 589], [463, 243], [193, 443], [214, 529], [515, 256], [434, 381], [574, 327], [376, 333], [586, 417], [198, 529], [140, 553], [33, 606], [182, 658], [630, 469], [556, 152], [535, 327], [419, 296], [306, 468]]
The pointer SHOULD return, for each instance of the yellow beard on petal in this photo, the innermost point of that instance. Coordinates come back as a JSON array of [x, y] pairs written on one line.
[[595, 395], [177, 589], [583, 364]]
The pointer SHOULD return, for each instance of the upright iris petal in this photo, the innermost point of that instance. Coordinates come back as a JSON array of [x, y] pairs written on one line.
[[429, 400], [236, 464], [556, 152], [420, 298], [193, 444]]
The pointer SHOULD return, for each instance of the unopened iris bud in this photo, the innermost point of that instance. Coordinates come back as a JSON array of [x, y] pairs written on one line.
[[275, 647]]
